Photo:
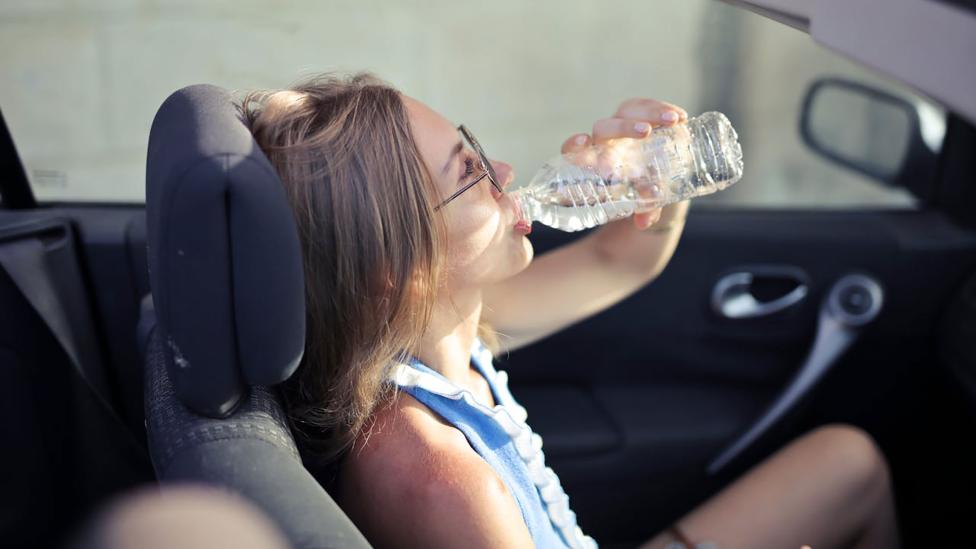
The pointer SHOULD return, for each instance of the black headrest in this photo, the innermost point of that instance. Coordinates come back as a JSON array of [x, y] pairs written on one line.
[[225, 262]]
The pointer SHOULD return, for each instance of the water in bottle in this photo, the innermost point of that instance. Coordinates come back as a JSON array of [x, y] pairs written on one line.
[[622, 177]]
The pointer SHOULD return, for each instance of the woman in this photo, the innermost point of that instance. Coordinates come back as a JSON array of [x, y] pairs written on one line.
[[412, 254]]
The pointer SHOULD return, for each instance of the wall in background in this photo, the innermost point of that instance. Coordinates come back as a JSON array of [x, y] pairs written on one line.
[[82, 80]]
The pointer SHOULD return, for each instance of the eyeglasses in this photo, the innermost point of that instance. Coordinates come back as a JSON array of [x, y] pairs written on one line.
[[488, 170]]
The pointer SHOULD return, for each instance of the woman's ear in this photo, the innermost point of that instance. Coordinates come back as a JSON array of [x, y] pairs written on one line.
[[413, 289], [416, 286], [422, 288]]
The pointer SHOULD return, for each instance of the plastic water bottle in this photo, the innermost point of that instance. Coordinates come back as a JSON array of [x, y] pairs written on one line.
[[622, 177]]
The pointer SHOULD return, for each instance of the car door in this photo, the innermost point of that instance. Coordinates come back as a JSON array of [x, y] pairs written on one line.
[[635, 404], [71, 375]]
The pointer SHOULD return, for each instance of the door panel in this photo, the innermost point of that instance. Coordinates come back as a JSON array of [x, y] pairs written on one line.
[[675, 383]]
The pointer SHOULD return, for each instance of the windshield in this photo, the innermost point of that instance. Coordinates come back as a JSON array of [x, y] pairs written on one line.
[[83, 81]]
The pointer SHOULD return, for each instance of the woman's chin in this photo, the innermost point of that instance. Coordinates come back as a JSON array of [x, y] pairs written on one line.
[[528, 250]]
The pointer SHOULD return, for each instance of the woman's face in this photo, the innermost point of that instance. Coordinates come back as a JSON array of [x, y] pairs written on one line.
[[483, 245]]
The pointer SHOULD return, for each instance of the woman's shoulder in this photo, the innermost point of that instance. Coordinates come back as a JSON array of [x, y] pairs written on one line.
[[409, 454], [400, 439]]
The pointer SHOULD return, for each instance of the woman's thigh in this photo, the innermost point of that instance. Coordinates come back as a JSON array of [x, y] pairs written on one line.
[[819, 490]]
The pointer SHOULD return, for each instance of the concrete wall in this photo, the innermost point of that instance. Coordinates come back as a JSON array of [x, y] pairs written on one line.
[[81, 80]]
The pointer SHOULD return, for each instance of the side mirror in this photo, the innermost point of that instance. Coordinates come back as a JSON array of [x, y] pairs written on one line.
[[869, 131]]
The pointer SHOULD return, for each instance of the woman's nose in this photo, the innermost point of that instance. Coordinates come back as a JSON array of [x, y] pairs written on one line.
[[505, 172]]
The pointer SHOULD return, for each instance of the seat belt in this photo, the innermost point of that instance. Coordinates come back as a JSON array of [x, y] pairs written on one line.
[[24, 260]]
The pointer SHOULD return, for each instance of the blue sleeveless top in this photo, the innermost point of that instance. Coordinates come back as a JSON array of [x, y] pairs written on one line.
[[500, 436]]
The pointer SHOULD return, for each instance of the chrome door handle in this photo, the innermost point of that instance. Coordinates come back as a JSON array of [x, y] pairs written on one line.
[[732, 297]]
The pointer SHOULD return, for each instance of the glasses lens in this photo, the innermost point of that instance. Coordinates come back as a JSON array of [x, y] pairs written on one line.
[[481, 154]]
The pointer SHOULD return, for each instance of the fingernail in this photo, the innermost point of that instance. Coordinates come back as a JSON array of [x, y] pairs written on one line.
[[670, 116], [642, 127], [580, 139]]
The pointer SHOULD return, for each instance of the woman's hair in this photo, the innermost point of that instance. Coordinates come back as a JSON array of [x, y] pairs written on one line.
[[372, 245]]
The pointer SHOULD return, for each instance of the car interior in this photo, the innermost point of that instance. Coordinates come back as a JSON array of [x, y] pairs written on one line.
[[141, 343]]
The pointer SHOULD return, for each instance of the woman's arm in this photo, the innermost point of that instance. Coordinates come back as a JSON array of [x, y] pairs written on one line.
[[593, 273]]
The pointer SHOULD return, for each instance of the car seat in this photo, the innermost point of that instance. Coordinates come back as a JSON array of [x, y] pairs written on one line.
[[225, 320]]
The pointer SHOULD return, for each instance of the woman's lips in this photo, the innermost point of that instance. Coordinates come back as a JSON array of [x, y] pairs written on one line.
[[522, 225]]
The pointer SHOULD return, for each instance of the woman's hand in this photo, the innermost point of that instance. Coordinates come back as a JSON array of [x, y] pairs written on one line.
[[634, 118], [599, 269]]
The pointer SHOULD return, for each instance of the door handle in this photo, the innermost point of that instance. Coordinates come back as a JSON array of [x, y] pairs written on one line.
[[732, 296]]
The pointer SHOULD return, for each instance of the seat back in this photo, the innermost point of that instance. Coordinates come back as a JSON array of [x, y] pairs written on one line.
[[228, 299]]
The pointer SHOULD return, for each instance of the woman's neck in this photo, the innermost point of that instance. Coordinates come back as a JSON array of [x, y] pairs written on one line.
[[446, 344]]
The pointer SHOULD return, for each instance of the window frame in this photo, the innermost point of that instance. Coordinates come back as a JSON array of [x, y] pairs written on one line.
[[15, 189]]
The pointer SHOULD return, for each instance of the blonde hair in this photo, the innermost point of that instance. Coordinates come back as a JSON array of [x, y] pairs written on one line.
[[373, 246]]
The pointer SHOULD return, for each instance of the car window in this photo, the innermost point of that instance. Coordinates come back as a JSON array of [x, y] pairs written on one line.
[[82, 81]]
